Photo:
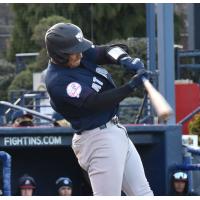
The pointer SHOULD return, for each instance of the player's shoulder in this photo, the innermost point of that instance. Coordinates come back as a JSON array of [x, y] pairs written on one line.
[[90, 54]]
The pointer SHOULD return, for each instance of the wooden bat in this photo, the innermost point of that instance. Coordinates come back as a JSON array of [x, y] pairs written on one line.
[[161, 106]]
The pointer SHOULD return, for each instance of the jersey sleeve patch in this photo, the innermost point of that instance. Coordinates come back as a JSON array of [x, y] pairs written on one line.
[[74, 89]]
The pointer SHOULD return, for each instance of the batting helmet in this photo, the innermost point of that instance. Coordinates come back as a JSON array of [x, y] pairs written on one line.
[[63, 39]]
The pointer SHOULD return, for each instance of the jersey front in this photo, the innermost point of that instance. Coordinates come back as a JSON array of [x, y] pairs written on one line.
[[69, 88]]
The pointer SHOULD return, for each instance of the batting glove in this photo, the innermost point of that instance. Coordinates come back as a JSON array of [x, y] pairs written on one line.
[[136, 80], [120, 56], [132, 64]]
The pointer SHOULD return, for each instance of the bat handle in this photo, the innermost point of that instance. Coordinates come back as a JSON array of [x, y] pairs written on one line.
[[144, 79]]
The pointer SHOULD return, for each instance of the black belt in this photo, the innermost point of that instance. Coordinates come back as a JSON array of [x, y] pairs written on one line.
[[114, 120]]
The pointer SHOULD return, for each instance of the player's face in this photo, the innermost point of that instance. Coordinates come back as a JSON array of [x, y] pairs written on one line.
[[26, 192], [65, 191], [179, 186], [74, 60]]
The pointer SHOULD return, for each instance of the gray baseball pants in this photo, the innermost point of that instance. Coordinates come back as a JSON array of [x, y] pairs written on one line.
[[112, 161]]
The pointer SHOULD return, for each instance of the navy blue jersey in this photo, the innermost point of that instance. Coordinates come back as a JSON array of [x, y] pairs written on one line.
[[68, 89]]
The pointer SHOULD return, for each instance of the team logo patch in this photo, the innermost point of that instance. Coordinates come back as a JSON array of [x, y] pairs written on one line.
[[79, 36], [74, 89]]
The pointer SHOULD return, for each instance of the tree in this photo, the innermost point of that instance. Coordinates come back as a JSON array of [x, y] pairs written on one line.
[[7, 73], [116, 21], [99, 22], [20, 40], [194, 126], [24, 79]]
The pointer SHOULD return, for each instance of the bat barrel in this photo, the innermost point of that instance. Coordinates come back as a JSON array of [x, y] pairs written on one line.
[[161, 106]]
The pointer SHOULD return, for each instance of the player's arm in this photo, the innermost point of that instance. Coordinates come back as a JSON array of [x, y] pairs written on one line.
[[80, 95], [110, 98], [113, 54], [99, 54]]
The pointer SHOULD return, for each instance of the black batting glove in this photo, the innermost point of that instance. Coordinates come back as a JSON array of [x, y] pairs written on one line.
[[136, 80]]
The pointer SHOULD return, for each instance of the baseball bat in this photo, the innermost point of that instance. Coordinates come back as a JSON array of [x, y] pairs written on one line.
[[161, 106]]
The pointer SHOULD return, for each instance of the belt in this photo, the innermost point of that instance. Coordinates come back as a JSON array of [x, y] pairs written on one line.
[[114, 120]]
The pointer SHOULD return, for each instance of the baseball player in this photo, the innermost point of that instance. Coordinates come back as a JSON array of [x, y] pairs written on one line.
[[26, 186], [84, 93]]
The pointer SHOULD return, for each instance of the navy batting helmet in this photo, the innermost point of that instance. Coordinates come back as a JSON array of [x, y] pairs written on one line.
[[63, 39]]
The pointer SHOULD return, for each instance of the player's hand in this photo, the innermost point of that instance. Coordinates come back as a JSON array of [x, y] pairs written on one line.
[[121, 57], [132, 64], [136, 80]]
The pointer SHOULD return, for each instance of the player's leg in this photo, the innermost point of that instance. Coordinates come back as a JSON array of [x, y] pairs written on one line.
[[134, 179], [103, 157]]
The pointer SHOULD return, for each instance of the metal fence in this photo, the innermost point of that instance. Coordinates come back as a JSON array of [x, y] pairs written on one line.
[[187, 59]]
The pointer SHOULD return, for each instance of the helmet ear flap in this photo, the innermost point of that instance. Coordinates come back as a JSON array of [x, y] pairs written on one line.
[[61, 58]]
